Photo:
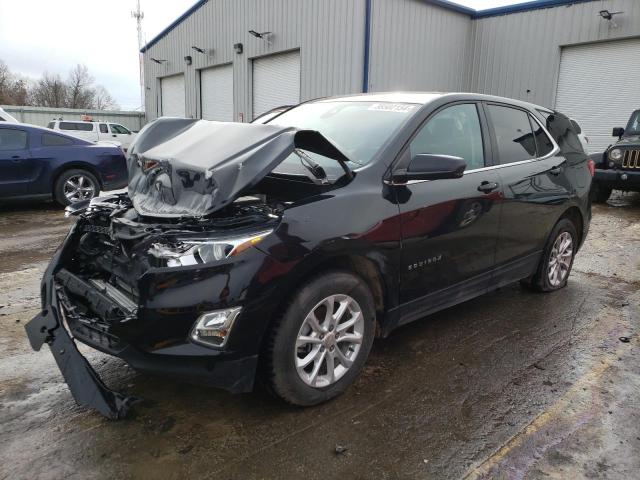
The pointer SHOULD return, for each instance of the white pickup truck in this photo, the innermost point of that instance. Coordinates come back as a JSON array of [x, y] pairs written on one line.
[[95, 131], [5, 117]]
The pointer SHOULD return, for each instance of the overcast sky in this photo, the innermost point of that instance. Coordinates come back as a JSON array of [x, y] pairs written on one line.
[[39, 36]]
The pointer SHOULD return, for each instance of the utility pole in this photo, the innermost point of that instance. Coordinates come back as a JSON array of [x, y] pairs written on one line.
[[139, 15]]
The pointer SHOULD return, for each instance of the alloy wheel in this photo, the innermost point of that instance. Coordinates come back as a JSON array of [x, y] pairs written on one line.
[[560, 259], [329, 340], [79, 187]]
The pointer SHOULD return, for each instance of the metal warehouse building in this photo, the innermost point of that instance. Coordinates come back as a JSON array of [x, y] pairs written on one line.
[[557, 53]]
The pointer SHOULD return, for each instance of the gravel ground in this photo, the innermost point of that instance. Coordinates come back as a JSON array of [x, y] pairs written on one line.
[[510, 385]]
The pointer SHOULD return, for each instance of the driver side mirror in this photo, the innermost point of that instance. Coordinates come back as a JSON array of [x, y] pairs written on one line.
[[617, 132], [427, 166]]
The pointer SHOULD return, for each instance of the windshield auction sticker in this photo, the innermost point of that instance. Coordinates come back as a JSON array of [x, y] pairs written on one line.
[[392, 107]]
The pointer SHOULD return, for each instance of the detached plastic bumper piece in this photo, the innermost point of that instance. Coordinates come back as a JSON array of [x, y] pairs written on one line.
[[85, 384]]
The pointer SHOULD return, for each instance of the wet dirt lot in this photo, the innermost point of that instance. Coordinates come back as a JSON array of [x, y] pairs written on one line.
[[510, 385]]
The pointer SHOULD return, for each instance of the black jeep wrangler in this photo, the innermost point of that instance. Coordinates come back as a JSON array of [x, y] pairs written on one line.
[[619, 167]]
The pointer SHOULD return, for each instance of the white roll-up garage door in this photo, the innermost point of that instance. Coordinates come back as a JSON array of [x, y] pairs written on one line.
[[598, 87], [216, 93], [276, 81], [172, 96]]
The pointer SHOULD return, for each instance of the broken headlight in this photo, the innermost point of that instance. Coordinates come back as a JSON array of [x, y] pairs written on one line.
[[199, 251]]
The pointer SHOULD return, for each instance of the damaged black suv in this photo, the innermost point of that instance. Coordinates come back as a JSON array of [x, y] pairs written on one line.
[[279, 251]]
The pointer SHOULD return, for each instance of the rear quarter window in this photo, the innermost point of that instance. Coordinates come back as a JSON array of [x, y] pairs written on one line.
[[51, 140], [564, 134], [544, 145]]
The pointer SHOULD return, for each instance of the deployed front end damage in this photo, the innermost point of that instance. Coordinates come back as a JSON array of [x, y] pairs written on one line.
[[161, 277], [84, 383]]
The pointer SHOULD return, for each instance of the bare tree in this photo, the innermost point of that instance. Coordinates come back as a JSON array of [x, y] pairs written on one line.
[[14, 89], [79, 91], [102, 100], [5, 80], [50, 91]]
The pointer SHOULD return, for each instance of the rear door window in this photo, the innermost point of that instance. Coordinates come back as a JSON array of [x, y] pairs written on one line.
[[13, 139], [514, 137], [103, 128]]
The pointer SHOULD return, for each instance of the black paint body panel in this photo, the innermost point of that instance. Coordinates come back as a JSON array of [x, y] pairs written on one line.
[[427, 245]]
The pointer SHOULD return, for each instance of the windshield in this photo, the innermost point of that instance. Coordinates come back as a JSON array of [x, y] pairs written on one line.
[[633, 127], [357, 129]]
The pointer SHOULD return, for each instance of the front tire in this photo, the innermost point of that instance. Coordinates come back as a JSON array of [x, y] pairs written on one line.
[[75, 185], [320, 344], [557, 258]]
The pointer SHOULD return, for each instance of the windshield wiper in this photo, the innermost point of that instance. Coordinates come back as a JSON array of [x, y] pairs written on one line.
[[314, 168]]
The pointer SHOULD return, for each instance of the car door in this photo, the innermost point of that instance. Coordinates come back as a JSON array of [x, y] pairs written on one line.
[[534, 188], [47, 152], [103, 132], [121, 134], [449, 227], [14, 152]]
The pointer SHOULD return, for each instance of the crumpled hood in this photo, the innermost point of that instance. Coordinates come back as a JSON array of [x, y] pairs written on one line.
[[183, 167]]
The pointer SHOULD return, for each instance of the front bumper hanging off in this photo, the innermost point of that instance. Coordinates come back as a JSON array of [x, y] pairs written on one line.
[[85, 384]]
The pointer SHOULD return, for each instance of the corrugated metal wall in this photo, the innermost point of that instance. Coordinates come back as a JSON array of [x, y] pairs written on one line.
[[518, 52], [415, 45], [329, 34], [418, 46], [43, 115]]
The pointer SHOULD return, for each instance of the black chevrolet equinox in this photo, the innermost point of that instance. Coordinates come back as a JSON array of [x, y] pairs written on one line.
[[280, 251]]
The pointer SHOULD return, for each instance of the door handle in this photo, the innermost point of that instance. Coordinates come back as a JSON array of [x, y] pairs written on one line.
[[114, 135], [15, 158], [487, 187], [556, 170]]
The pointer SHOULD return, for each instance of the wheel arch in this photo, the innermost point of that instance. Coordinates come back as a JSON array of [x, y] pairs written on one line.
[[362, 266], [574, 215], [76, 164], [366, 268]]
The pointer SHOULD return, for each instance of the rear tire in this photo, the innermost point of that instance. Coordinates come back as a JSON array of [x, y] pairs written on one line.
[[312, 356], [75, 185], [557, 258]]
